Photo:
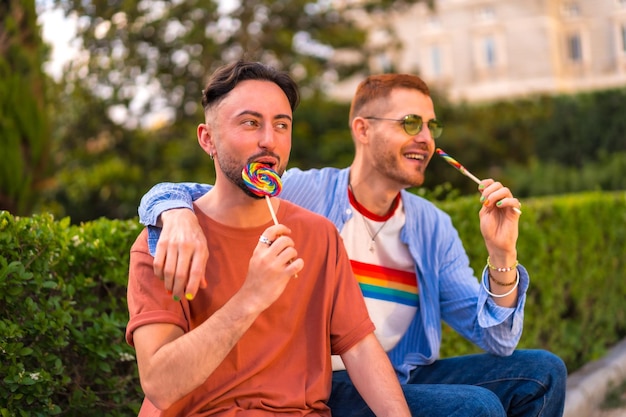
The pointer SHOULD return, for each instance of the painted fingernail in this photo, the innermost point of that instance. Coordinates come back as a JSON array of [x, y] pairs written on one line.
[[482, 198], [486, 203], [189, 296], [481, 187], [169, 292], [176, 298], [499, 203]]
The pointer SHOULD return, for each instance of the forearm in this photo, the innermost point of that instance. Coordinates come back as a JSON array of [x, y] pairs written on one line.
[[185, 361], [167, 196], [503, 275], [373, 376]]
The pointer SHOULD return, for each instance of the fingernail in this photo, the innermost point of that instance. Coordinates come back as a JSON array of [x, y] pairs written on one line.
[[189, 296], [482, 198], [169, 292], [499, 203], [481, 187], [486, 203], [176, 298]]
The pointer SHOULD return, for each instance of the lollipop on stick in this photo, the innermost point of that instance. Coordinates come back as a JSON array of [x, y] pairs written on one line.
[[462, 170], [457, 165], [262, 181]]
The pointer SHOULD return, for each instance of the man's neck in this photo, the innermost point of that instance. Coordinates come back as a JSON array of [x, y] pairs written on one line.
[[236, 209], [371, 192]]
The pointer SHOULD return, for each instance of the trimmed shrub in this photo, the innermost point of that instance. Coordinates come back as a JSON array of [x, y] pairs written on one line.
[[62, 318], [63, 299], [573, 248]]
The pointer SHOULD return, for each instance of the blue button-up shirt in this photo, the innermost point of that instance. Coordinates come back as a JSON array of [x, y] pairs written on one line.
[[448, 289]]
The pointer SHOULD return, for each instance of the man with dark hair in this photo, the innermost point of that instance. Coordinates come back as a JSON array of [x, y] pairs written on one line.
[[255, 341], [409, 261]]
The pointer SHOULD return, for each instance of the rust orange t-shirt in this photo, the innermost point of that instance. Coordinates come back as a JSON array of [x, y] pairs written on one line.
[[282, 363]]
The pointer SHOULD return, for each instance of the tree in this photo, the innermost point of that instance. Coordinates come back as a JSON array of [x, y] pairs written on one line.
[[169, 47], [23, 125], [144, 58]]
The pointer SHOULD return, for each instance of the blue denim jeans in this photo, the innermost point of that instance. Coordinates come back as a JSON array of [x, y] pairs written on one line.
[[527, 383]]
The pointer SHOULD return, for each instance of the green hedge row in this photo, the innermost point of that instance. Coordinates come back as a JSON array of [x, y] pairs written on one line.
[[63, 299], [62, 318], [574, 247]]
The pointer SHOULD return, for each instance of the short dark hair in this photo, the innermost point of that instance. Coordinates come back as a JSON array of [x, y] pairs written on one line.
[[226, 78], [380, 86]]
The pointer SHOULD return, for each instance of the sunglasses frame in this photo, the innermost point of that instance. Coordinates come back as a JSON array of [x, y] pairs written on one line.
[[434, 126]]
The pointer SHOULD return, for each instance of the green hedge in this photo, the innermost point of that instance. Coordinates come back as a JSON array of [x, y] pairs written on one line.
[[62, 318], [574, 248], [63, 299]]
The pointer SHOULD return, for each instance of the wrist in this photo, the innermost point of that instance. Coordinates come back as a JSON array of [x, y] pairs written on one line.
[[501, 281], [173, 213], [502, 262], [508, 288]]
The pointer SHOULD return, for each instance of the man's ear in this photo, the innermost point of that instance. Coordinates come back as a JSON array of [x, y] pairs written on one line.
[[205, 139], [360, 130]]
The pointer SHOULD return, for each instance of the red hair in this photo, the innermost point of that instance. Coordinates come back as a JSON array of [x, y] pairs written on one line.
[[377, 87]]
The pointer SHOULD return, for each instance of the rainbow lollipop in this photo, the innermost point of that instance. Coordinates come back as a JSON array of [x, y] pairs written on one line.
[[457, 165], [463, 171], [262, 181]]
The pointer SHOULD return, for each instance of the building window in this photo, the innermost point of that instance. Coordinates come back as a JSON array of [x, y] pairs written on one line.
[[571, 9], [435, 58], [434, 23], [574, 48], [489, 52], [486, 14]]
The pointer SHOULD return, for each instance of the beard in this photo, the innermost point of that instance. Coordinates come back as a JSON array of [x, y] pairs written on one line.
[[232, 170], [389, 164]]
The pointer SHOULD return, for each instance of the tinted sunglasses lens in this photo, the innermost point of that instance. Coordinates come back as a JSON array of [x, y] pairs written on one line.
[[436, 128], [412, 124]]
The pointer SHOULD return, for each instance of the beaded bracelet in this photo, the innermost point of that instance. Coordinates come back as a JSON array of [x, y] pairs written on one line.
[[500, 283], [508, 269], [499, 295]]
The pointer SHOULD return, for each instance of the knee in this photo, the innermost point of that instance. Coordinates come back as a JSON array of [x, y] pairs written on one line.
[[484, 403], [557, 370], [452, 401], [481, 402], [553, 365], [549, 368]]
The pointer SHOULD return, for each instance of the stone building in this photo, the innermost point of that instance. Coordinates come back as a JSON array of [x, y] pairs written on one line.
[[482, 50]]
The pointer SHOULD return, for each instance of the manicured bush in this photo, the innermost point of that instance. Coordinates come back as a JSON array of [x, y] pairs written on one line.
[[62, 318], [573, 247], [63, 299]]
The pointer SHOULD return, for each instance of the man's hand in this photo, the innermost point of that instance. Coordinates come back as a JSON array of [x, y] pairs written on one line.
[[499, 217], [273, 264], [499, 225], [181, 254]]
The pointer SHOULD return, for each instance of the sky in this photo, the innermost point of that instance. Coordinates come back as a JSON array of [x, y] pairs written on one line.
[[58, 31]]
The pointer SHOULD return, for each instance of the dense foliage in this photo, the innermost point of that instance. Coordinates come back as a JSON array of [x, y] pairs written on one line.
[[115, 141], [63, 299], [23, 122], [108, 142], [62, 318], [506, 141], [573, 247], [538, 146]]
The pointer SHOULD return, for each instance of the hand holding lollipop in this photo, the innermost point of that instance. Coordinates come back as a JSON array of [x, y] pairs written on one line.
[[262, 181]]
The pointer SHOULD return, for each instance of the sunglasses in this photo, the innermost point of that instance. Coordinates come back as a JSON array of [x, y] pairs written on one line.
[[412, 124]]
